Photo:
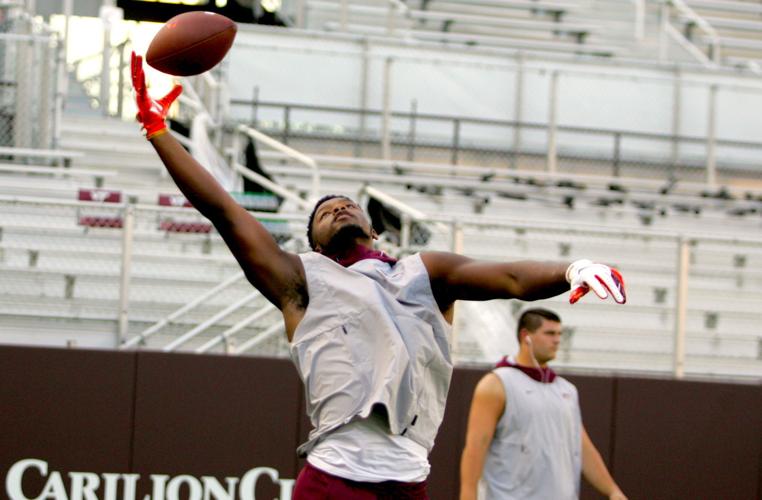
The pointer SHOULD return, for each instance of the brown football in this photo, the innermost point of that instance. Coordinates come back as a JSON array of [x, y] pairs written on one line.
[[191, 43]]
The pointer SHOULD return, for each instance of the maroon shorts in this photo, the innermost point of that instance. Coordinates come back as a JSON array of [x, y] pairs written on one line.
[[314, 484]]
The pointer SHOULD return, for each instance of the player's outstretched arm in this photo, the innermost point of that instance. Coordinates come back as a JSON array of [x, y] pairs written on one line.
[[487, 407], [455, 277], [277, 274]]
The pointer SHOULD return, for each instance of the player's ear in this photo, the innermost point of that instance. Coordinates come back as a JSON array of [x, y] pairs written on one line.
[[524, 336]]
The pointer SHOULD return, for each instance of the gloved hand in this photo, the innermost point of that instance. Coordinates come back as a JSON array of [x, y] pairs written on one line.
[[584, 275], [151, 113]]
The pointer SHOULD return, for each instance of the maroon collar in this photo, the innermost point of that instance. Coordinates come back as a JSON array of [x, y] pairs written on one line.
[[543, 375], [359, 253]]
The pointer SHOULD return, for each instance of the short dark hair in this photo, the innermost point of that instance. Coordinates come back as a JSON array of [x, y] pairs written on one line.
[[531, 319], [322, 200]]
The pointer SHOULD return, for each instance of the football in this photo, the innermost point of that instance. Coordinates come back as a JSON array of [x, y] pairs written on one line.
[[191, 43]]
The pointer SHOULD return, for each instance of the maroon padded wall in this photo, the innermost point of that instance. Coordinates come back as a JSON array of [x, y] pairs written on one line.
[[186, 415], [697, 440], [70, 408], [215, 415]]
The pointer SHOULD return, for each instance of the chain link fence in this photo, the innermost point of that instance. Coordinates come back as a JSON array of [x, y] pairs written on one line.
[[30, 56]]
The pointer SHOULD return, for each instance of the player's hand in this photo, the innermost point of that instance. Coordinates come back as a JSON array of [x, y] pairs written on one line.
[[584, 275], [151, 113], [617, 495]]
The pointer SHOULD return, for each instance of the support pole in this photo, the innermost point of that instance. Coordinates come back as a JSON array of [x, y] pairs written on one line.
[[681, 305], [552, 159], [128, 226]]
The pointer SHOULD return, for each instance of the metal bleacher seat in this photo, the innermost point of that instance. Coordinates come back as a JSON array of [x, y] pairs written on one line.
[[536, 26], [738, 24]]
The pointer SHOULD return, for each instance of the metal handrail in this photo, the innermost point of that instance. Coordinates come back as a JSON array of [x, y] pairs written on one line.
[[714, 45], [291, 152], [227, 334], [261, 337], [489, 121], [272, 186], [193, 332], [169, 319]]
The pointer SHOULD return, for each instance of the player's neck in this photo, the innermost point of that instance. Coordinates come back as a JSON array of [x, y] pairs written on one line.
[[355, 253], [525, 358]]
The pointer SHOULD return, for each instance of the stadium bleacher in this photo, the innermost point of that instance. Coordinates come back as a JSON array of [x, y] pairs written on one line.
[[64, 281]]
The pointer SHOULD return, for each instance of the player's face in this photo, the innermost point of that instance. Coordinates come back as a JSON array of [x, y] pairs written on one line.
[[546, 340], [337, 216]]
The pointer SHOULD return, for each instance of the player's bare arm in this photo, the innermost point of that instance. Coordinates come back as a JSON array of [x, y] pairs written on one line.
[[487, 406], [455, 277], [279, 275], [595, 471]]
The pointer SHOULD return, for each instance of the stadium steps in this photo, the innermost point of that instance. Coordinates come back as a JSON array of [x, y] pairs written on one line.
[[115, 145]]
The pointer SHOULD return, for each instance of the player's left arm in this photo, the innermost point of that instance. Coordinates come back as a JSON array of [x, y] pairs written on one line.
[[595, 471], [456, 277]]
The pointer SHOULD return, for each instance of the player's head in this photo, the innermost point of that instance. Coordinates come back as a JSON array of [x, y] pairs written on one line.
[[539, 330], [335, 222]]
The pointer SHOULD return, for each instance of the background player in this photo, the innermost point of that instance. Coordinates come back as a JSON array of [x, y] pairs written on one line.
[[525, 435]]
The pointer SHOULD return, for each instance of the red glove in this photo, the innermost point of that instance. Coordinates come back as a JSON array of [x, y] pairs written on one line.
[[584, 275], [151, 114]]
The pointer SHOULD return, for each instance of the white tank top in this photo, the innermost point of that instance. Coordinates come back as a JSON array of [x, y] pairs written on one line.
[[536, 453]]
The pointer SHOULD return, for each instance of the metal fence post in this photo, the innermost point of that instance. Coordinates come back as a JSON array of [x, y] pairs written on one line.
[[390, 18], [254, 106], [617, 153], [456, 246], [344, 15], [124, 287], [518, 111], [46, 104], [105, 89], [552, 159], [60, 96], [386, 143], [24, 114], [363, 116], [456, 237], [640, 20], [120, 81], [286, 123], [455, 141], [681, 305], [663, 22], [711, 138], [405, 232], [299, 14], [677, 92], [411, 132]]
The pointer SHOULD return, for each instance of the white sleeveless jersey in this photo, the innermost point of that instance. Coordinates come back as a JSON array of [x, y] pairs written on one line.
[[536, 453], [372, 340]]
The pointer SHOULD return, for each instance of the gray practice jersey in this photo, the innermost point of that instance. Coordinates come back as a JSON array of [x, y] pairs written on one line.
[[372, 336], [536, 451]]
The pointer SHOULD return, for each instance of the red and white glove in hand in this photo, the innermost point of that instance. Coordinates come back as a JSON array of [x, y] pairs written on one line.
[[151, 113], [584, 275]]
